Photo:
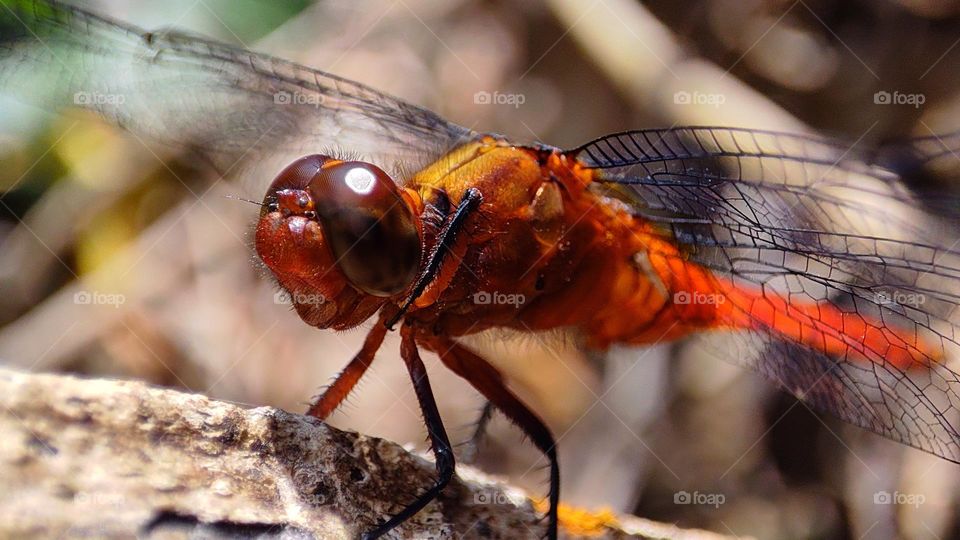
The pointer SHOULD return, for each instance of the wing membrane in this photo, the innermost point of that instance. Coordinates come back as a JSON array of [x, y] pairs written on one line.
[[234, 106], [815, 220]]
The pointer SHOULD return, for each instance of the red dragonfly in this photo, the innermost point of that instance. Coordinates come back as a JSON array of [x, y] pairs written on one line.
[[813, 261]]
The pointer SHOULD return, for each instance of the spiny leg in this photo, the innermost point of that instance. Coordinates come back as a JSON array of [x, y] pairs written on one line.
[[440, 444], [487, 380], [472, 447], [348, 378], [445, 240]]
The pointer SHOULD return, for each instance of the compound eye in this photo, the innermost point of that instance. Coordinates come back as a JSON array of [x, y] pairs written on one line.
[[293, 178], [370, 229]]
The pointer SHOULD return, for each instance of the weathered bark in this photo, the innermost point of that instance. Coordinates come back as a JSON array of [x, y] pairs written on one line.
[[105, 459]]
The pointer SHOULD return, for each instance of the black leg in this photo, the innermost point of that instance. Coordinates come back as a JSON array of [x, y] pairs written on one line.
[[471, 200], [487, 380], [440, 444], [472, 446]]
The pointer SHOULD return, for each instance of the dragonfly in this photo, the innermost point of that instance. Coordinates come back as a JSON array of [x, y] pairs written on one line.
[[812, 261]]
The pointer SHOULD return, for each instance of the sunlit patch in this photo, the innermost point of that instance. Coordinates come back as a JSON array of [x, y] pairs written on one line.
[[580, 521]]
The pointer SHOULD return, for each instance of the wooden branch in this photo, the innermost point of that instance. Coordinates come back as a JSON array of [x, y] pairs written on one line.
[[119, 459]]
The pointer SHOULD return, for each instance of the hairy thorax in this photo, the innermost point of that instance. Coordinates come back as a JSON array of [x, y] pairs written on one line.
[[544, 251]]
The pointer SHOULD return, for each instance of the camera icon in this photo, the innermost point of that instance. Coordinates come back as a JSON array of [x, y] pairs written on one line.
[[482, 298], [81, 98], [882, 497], [491, 496], [482, 98], [682, 98], [282, 298], [882, 98], [282, 98], [682, 298], [682, 497], [83, 298]]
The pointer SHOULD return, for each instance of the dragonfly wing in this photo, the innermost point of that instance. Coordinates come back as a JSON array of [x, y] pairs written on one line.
[[233, 106], [813, 220], [916, 408]]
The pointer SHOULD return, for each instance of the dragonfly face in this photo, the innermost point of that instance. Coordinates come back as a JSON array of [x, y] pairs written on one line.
[[816, 261], [337, 234]]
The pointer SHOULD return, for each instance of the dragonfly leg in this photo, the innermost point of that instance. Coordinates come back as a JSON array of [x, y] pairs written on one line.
[[348, 378], [440, 444], [472, 446], [448, 234], [487, 380]]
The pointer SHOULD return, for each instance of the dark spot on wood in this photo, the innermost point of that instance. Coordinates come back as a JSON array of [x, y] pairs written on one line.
[[259, 447], [232, 432], [483, 529], [156, 436], [358, 475], [168, 524], [321, 494]]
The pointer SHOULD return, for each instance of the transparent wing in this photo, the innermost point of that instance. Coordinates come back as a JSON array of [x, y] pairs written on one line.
[[233, 106], [813, 220]]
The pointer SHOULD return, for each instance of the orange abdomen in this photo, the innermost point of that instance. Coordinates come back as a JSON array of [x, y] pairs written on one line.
[[651, 292], [694, 299]]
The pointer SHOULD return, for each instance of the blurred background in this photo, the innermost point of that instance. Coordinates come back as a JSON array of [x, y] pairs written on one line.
[[87, 209]]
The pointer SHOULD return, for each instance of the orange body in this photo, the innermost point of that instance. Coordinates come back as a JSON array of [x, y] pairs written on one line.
[[546, 250], [524, 238]]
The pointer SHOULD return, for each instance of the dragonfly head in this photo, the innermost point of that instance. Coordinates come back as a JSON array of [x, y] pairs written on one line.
[[338, 233]]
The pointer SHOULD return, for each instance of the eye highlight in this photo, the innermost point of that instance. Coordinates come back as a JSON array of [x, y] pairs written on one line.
[[360, 180], [370, 230]]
